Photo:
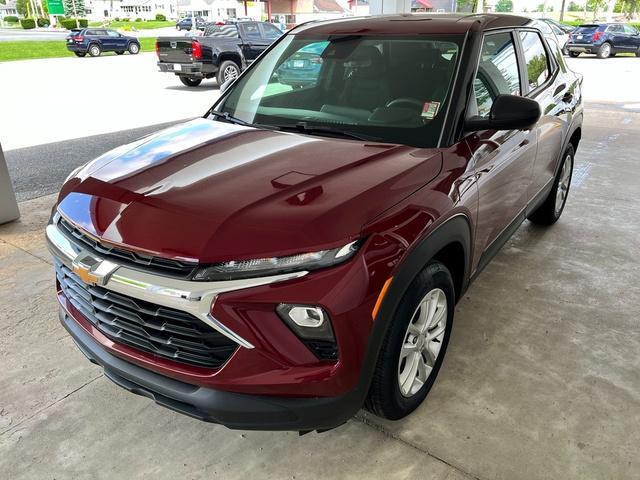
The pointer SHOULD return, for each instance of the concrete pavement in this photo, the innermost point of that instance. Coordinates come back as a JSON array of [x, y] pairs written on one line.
[[91, 96]]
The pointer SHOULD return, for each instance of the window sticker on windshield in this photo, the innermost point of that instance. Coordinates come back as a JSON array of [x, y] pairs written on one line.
[[430, 109]]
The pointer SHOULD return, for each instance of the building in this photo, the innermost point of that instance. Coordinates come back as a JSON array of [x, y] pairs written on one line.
[[8, 10]]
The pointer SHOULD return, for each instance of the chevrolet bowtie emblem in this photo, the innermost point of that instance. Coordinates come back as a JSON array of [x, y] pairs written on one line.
[[92, 270]]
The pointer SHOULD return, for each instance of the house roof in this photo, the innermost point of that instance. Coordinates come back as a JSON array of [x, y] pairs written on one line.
[[327, 6]]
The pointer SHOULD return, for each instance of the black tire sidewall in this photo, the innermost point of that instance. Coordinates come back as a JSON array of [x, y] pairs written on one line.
[[434, 275], [568, 151], [91, 47]]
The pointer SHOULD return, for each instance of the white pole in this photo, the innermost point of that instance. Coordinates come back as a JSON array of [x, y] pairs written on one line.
[[8, 206]]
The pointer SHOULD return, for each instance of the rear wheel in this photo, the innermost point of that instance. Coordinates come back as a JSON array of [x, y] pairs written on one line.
[[95, 50], [414, 346], [549, 212], [574, 54], [229, 70], [134, 48], [80, 54], [190, 82], [604, 51]]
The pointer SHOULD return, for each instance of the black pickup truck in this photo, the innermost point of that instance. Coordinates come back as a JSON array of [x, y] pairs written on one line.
[[222, 52]]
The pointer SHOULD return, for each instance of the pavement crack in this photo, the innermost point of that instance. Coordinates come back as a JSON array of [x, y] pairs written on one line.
[[6, 242], [424, 451], [38, 412]]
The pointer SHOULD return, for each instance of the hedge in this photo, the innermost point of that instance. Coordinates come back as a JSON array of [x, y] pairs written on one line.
[[160, 17], [43, 22], [70, 23], [28, 23], [11, 19]]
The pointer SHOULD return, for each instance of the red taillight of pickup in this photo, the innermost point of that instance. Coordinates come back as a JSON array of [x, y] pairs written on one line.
[[596, 36], [157, 49], [196, 49]]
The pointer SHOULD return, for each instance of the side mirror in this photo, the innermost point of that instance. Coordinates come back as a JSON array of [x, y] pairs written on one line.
[[508, 112], [225, 86]]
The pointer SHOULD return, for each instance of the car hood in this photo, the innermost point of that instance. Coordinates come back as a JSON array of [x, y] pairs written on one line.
[[210, 191]]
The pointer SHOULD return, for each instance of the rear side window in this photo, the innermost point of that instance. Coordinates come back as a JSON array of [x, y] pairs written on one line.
[[251, 31], [535, 56], [615, 29], [497, 71]]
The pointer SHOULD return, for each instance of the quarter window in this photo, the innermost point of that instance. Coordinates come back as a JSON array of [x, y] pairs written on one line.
[[535, 56], [497, 71]]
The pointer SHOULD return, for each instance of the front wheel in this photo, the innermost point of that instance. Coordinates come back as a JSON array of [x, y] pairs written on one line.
[[190, 82], [80, 54], [95, 50], [415, 344], [549, 212], [604, 51], [229, 70], [134, 48]]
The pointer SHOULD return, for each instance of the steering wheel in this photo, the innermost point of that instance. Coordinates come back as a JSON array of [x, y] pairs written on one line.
[[405, 101]]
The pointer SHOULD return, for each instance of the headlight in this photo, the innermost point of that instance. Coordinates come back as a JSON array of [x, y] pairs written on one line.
[[262, 267]]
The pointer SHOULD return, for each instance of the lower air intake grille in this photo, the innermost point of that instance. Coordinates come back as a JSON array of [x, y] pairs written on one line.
[[152, 328]]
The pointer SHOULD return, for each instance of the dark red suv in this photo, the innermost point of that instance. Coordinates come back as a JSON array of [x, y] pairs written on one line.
[[297, 253]]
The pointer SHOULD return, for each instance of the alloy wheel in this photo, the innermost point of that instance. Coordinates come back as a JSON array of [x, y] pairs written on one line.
[[422, 342], [230, 73], [563, 183]]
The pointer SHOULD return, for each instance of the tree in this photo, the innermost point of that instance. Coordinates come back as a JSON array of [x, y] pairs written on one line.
[[629, 7], [595, 6], [21, 7], [504, 6], [79, 10], [574, 7]]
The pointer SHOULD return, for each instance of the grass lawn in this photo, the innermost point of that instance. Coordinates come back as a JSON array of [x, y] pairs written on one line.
[[151, 24], [27, 49]]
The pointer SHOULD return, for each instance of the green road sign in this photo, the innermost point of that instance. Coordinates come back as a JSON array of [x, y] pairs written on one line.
[[55, 7]]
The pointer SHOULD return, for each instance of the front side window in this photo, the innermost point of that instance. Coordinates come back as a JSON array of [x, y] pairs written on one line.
[[497, 71], [629, 30], [535, 57], [376, 88]]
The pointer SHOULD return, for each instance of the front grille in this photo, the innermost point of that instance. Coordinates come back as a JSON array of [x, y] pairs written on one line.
[[162, 331], [159, 265]]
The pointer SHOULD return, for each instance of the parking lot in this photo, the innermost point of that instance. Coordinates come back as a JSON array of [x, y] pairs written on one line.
[[541, 379]]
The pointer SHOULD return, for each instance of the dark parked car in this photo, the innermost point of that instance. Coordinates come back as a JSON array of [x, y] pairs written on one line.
[[94, 41], [604, 39], [222, 52], [187, 23], [303, 68], [296, 254]]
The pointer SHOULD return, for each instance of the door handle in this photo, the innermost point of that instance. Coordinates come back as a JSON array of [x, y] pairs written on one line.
[[559, 89]]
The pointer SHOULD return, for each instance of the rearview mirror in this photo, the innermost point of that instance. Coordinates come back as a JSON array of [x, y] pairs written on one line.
[[508, 112]]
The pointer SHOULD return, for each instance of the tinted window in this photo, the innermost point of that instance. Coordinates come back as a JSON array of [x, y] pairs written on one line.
[[630, 30], [251, 31], [91, 32], [497, 71], [535, 56], [111, 33], [271, 32], [586, 29], [615, 29]]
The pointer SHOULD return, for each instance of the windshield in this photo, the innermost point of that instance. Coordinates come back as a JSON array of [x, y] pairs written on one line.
[[388, 89]]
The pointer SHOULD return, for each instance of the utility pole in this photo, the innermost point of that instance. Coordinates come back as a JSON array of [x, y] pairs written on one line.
[[75, 13], [562, 10]]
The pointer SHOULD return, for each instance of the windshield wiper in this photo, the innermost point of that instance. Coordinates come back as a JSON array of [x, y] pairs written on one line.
[[238, 121], [304, 127]]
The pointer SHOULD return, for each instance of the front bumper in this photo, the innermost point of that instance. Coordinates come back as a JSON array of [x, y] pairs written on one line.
[[233, 410]]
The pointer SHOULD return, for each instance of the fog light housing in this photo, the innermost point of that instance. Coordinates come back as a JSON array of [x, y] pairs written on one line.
[[312, 325]]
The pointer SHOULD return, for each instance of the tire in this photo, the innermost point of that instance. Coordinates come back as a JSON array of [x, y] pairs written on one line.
[[95, 50], [80, 54], [225, 72], [133, 48], [574, 54], [604, 51], [549, 212], [190, 82], [389, 396], [119, 52]]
